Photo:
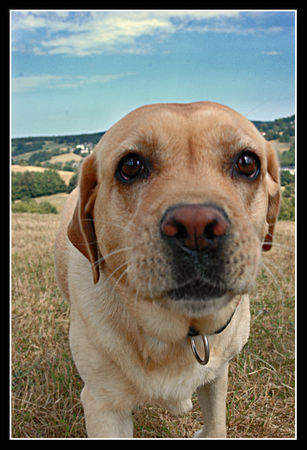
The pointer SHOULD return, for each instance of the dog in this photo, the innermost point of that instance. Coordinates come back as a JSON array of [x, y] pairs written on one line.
[[156, 252]]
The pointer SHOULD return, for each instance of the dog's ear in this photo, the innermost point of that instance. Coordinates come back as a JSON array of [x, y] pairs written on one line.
[[81, 230], [274, 194]]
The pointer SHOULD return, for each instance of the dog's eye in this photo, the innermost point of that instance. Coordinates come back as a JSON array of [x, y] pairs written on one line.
[[130, 168], [248, 165]]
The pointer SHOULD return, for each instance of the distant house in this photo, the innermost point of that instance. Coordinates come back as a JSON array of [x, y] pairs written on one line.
[[290, 169], [84, 149]]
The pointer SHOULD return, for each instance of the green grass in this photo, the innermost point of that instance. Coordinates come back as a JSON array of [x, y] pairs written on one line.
[[45, 383]]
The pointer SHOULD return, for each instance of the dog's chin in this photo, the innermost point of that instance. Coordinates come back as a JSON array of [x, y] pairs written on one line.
[[196, 290], [196, 299], [200, 307]]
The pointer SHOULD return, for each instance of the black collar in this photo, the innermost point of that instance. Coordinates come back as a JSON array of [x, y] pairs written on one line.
[[193, 332]]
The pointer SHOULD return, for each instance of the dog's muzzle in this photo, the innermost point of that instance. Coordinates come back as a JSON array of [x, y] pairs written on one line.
[[194, 235]]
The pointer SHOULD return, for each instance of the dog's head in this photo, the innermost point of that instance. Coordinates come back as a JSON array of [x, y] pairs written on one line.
[[178, 200]]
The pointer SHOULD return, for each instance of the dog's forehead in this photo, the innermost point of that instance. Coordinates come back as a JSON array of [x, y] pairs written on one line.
[[174, 114], [160, 123]]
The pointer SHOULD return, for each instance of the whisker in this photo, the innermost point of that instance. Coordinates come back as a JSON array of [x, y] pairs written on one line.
[[124, 227], [99, 260], [129, 224], [116, 269], [286, 289], [277, 244], [114, 252], [275, 267], [87, 219], [270, 273], [118, 280], [274, 280]]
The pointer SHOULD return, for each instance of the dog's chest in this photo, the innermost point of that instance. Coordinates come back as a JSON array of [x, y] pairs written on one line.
[[174, 381]]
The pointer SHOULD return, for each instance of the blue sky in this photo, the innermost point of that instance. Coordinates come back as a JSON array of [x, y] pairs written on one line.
[[78, 72]]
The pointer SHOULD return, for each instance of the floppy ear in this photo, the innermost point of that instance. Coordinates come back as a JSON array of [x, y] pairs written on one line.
[[81, 230], [272, 178]]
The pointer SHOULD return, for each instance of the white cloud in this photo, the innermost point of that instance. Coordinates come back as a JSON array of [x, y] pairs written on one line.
[[46, 81], [105, 33], [81, 33], [271, 53], [234, 29]]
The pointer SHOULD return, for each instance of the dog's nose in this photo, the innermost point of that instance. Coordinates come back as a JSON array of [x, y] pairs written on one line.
[[196, 227]]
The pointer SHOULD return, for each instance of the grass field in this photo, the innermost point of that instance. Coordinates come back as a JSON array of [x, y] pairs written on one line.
[[57, 200], [65, 157], [46, 386], [65, 175], [281, 146]]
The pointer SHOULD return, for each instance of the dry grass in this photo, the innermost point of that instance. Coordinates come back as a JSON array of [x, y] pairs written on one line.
[[46, 385], [281, 146], [57, 200], [65, 157]]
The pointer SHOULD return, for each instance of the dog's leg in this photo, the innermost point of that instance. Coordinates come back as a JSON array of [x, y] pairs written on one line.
[[101, 423], [212, 399]]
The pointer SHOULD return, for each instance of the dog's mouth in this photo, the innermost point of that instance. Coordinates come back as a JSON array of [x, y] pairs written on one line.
[[198, 297], [198, 290]]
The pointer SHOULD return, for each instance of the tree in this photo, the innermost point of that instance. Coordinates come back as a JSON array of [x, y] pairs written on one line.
[[288, 158], [287, 209], [34, 184], [72, 183], [285, 137]]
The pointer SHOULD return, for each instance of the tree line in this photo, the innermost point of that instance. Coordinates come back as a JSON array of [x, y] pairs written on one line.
[[31, 144], [288, 158], [27, 184], [287, 207]]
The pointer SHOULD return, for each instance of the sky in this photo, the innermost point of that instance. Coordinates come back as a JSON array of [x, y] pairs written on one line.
[[79, 71]]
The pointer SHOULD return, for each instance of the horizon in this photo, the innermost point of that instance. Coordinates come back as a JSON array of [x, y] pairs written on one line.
[[104, 131], [73, 72]]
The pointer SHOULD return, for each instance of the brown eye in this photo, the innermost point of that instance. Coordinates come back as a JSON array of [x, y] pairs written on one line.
[[130, 168], [248, 164]]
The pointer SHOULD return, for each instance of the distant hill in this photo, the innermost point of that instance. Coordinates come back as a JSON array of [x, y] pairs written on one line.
[[39, 149], [32, 144], [272, 129], [282, 129], [33, 156]]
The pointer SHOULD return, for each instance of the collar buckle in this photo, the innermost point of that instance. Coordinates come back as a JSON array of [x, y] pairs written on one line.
[[205, 360], [192, 333]]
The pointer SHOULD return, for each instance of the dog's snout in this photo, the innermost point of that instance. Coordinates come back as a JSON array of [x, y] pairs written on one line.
[[196, 227]]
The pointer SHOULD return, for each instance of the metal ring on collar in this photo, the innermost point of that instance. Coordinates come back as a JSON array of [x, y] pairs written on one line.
[[201, 361]]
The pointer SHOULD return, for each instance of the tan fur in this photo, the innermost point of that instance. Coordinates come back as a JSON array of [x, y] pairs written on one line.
[[128, 338], [61, 244]]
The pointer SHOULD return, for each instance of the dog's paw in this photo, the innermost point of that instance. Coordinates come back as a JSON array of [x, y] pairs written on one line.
[[199, 434], [209, 434], [181, 407]]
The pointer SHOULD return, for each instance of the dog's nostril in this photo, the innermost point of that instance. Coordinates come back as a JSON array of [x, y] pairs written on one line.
[[169, 228], [215, 229], [209, 231], [181, 231], [172, 228]]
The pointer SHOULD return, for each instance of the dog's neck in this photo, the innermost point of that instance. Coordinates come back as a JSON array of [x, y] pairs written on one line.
[[216, 322], [193, 332], [203, 360]]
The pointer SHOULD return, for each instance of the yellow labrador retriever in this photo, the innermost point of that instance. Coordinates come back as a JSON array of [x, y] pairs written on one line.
[[156, 252]]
